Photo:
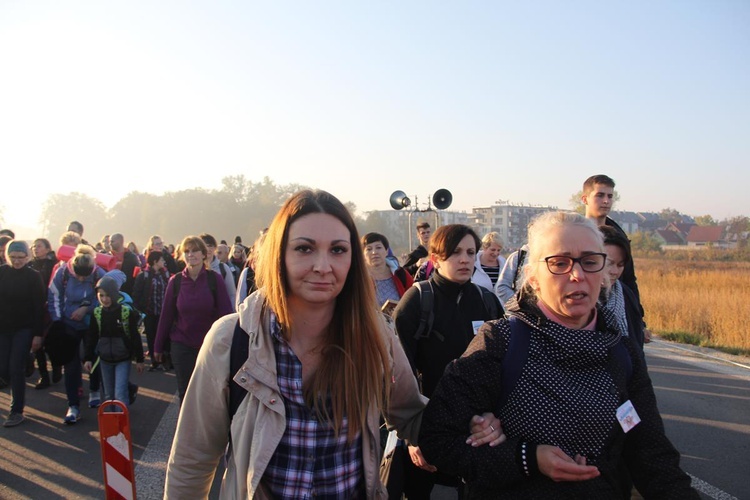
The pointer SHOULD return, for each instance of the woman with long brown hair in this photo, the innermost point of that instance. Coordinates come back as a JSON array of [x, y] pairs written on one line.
[[322, 365]]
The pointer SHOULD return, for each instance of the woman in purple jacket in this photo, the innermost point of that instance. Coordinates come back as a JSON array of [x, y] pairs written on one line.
[[192, 303]]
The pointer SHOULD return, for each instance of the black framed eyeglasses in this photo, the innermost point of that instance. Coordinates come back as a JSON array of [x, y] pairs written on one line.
[[562, 264]]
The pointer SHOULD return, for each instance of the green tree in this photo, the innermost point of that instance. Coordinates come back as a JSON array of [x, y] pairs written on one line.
[[671, 215], [705, 220], [137, 216], [59, 209], [737, 225], [642, 241]]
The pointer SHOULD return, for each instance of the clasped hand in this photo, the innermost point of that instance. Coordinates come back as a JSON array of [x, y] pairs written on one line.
[[484, 429]]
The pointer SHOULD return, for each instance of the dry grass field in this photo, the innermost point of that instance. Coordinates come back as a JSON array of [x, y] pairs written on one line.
[[707, 303]]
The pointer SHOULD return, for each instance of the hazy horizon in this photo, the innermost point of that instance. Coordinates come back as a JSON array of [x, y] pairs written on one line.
[[493, 100]]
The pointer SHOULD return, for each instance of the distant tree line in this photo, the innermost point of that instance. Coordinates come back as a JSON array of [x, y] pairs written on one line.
[[241, 207]]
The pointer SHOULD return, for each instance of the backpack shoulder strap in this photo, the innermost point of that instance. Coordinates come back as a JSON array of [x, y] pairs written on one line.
[[426, 313], [401, 275], [515, 357], [223, 270], [490, 304], [237, 356], [176, 289], [125, 316], [519, 263], [98, 318], [621, 354], [212, 283], [65, 277]]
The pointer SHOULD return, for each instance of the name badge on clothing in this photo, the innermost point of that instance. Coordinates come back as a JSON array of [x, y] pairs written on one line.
[[627, 416], [475, 325]]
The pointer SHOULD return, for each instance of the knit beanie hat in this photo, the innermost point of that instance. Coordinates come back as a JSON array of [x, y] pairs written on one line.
[[118, 276], [109, 286], [18, 246]]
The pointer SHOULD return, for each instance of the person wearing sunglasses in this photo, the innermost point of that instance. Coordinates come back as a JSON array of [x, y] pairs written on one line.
[[573, 394]]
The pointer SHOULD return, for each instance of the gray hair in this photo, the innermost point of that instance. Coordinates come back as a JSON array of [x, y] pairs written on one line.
[[539, 229]]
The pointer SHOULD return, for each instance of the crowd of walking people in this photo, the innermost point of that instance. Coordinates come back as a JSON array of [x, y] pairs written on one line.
[[502, 378]]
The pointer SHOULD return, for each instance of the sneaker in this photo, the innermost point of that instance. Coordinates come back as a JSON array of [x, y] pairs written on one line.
[[57, 373], [132, 393], [72, 416], [43, 382], [94, 399], [14, 419]]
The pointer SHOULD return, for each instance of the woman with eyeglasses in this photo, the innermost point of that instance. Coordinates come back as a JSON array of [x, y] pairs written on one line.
[[572, 393], [21, 314]]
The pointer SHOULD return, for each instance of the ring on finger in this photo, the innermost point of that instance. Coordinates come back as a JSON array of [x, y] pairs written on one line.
[[493, 428]]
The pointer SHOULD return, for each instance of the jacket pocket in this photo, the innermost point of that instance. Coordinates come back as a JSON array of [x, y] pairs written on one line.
[[113, 349]]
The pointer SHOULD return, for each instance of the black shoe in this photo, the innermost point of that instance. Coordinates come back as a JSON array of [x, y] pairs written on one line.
[[57, 373], [132, 392], [43, 382], [30, 364]]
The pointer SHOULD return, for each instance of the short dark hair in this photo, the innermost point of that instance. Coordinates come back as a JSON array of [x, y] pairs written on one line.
[[208, 240], [445, 239], [423, 225], [8, 232], [592, 181], [45, 242], [371, 238], [613, 237], [153, 257], [78, 225]]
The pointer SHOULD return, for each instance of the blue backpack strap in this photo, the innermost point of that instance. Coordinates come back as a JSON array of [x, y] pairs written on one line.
[[621, 354], [237, 356], [515, 357]]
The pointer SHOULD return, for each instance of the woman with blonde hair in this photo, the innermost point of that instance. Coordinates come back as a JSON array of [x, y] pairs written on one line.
[[489, 261], [321, 367], [71, 298]]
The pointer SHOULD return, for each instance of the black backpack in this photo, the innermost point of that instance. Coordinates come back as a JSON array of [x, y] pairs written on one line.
[[427, 303]]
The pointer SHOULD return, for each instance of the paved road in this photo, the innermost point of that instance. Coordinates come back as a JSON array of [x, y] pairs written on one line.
[[705, 405]]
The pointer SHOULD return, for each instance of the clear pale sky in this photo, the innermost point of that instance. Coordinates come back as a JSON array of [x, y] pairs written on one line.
[[496, 100]]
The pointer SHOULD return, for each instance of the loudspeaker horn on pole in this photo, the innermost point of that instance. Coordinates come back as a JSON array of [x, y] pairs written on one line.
[[399, 200], [442, 199]]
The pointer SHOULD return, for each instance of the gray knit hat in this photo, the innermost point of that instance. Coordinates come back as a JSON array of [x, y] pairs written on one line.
[[109, 285], [17, 246]]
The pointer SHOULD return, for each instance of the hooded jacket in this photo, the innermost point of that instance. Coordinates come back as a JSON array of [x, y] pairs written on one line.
[[66, 294], [480, 277]]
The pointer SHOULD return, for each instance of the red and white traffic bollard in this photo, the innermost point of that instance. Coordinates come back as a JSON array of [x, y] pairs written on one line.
[[117, 452]]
